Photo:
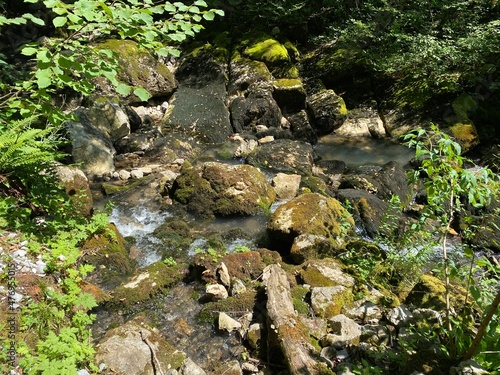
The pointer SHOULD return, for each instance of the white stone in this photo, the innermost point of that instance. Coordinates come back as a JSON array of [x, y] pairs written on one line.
[[286, 185], [223, 273], [399, 316], [124, 175], [136, 174], [216, 292], [226, 323]]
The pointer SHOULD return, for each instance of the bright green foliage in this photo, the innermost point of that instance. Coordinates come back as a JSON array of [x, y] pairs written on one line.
[[450, 189]]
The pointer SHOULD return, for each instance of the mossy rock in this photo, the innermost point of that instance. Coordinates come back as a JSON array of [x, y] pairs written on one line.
[[299, 293], [118, 187], [124, 351], [241, 304], [314, 185], [314, 214], [109, 254], [430, 292], [152, 280], [267, 49], [139, 68]]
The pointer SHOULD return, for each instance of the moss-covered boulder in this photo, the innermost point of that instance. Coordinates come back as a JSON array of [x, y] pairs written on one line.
[[310, 213], [255, 109], [461, 126], [263, 47], [368, 210], [430, 292], [224, 190], [290, 94], [109, 254], [246, 72], [283, 155], [301, 127], [136, 349], [148, 282], [328, 111], [76, 185], [138, 68]]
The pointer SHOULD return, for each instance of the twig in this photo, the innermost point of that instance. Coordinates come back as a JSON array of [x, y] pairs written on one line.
[[156, 364]]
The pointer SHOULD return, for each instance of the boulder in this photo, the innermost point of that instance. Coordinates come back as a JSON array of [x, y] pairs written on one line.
[[135, 349], [76, 185], [310, 213], [328, 111], [247, 112], [244, 72], [191, 368], [138, 68], [290, 94], [286, 185], [308, 246], [301, 127], [228, 324], [110, 118], [216, 292], [368, 210], [199, 105], [225, 190], [363, 122], [285, 330], [328, 301], [345, 331], [89, 146], [283, 155]]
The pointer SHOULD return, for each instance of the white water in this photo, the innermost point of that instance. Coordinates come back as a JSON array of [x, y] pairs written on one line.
[[140, 222]]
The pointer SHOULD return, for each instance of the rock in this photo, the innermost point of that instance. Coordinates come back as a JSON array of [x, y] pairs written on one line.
[[383, 182], [284, 329], [283, 155], [246, 148], [225, 190], [230, 368], [191, 368], [364, 312], [249, 368], [237, 287], [376, 335], [286, 185], [124, 175], [228, 324], [326, 272], [328, 301], [290, 94], [200, 111], [313, 214], [216, 292], [110, 118], [345, 332], [199, 105], [399, 316], [137, 174], [128, 350], [301, 127], [266, 139], [248, 112], [328, 111], [76, 185], [469, 367], [223, 273], [363, 122], [138, 68], [254, 335], [245, 72], [369, 211], [306, 246], [90, 147]]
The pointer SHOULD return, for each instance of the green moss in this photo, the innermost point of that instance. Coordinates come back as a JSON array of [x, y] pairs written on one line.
[[152, 280], [298, 297], [313, 277], [112, 188], [242, 303], [314, 184], [269, 51], [288, 83]]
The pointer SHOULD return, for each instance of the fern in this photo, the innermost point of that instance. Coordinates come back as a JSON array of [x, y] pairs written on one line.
[[22, 146]]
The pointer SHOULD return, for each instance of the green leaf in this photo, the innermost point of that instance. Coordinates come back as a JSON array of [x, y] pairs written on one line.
[[170, 8], [123, 89], [29, 51], [35, 20], [194, 9], [468, 252], [200, 3], [59, 21], [220, 12], [209, 16], [142, 93]]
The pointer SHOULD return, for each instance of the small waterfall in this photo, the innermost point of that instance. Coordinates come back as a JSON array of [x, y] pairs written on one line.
[[139, 222]]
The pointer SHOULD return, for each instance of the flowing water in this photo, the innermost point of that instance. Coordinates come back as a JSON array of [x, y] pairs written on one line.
[[361, 151]]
